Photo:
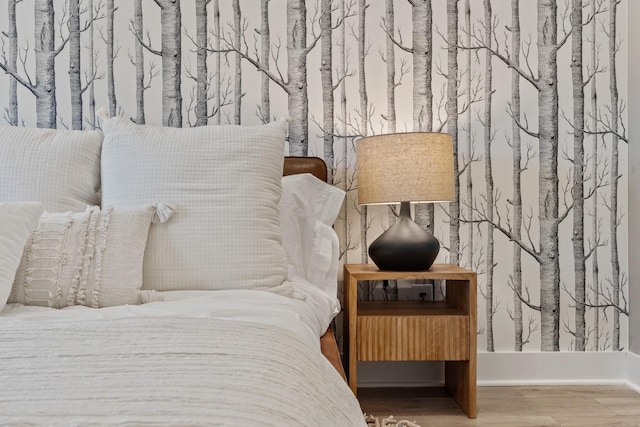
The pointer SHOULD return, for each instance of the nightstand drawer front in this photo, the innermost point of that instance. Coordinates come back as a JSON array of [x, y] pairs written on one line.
[[413, 338]]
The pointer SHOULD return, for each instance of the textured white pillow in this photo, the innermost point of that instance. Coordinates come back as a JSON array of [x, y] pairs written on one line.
[[58, 168], [92, 258], [225, 184], [17, 219], [308, 209]]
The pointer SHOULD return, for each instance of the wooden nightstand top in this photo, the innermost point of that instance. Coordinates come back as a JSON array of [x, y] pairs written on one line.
[[437, 271]]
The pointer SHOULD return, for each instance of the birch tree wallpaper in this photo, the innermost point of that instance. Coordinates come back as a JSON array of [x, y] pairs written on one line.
[[532, 92]]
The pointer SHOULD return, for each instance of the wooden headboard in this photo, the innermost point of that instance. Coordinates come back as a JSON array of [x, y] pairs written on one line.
[[312, 165]]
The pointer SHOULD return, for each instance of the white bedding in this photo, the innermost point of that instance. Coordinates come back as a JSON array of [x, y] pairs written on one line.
[[237, 358]]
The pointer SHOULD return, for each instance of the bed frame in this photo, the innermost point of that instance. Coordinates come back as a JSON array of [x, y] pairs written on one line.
[[318, 168]]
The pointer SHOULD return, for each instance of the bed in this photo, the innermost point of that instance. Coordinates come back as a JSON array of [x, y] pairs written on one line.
[[252, 356]]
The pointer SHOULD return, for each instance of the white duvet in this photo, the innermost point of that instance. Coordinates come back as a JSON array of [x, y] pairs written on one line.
[[227, 358]]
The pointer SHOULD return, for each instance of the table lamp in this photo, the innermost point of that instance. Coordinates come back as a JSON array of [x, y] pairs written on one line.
[[404, 168]]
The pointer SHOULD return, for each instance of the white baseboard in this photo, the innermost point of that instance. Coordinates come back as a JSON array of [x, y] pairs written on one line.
[[513, 368], [565, 368], [633, 371]]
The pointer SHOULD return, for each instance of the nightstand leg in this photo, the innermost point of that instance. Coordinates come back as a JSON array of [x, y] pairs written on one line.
[[460, 376], [461, 383], [351, 307]]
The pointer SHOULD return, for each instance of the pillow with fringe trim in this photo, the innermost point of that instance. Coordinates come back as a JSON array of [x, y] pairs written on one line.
[[91, 258]]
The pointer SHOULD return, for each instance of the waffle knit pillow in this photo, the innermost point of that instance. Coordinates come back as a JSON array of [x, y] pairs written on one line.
[[92, 258], [58, 168], [225, 184]]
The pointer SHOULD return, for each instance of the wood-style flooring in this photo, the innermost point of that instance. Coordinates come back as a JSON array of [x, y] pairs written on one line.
[[510, 406]]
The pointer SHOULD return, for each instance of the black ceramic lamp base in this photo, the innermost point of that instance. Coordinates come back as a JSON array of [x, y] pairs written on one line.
[[405, 246]]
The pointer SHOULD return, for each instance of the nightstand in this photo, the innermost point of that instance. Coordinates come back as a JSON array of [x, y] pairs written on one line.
[[416, 330]]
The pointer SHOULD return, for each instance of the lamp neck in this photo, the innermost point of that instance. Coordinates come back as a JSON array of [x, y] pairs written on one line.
[[405, 210]]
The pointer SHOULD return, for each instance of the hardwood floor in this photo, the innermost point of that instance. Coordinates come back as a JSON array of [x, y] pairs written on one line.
[[510, 406]]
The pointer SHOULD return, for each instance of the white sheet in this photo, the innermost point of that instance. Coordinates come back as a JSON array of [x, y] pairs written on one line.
[[199, 358]]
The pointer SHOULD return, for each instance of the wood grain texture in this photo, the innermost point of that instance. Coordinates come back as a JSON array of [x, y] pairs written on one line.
[[351, 312], [509, 406], [329, 349], [313, 165], [460, 378], [440, 337], [436, 272]]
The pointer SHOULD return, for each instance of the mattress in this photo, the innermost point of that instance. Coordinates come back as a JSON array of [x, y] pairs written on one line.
[[236, 358]]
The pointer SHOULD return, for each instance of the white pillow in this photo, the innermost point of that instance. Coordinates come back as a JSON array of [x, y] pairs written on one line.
[[225, 184], [58, 168], [308, 209], [92, 258], [17, 219]]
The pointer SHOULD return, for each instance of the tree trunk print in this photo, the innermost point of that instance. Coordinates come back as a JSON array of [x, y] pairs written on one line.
[[92, 68], [217, 82], [297, 51], [578, 176], [364, 244], [111, 82], [488, 173], [516, 144], [362, 80], [548, 176], [265, 50], [595, 220], [342, 71], [390, 60], [391, 286], [75, 82], [613, 202], [237, 39], [202, 86], [326, 75], [364, 118], [11, 113], [469, 148], [422, 55], [138, 26], [45, 52], [170, 19], [452, 126]]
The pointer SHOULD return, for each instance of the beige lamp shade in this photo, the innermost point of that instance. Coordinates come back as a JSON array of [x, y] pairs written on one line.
[[405, 167]]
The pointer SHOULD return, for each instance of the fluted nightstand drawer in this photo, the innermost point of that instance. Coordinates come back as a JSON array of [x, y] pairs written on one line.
[[444, 337]]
